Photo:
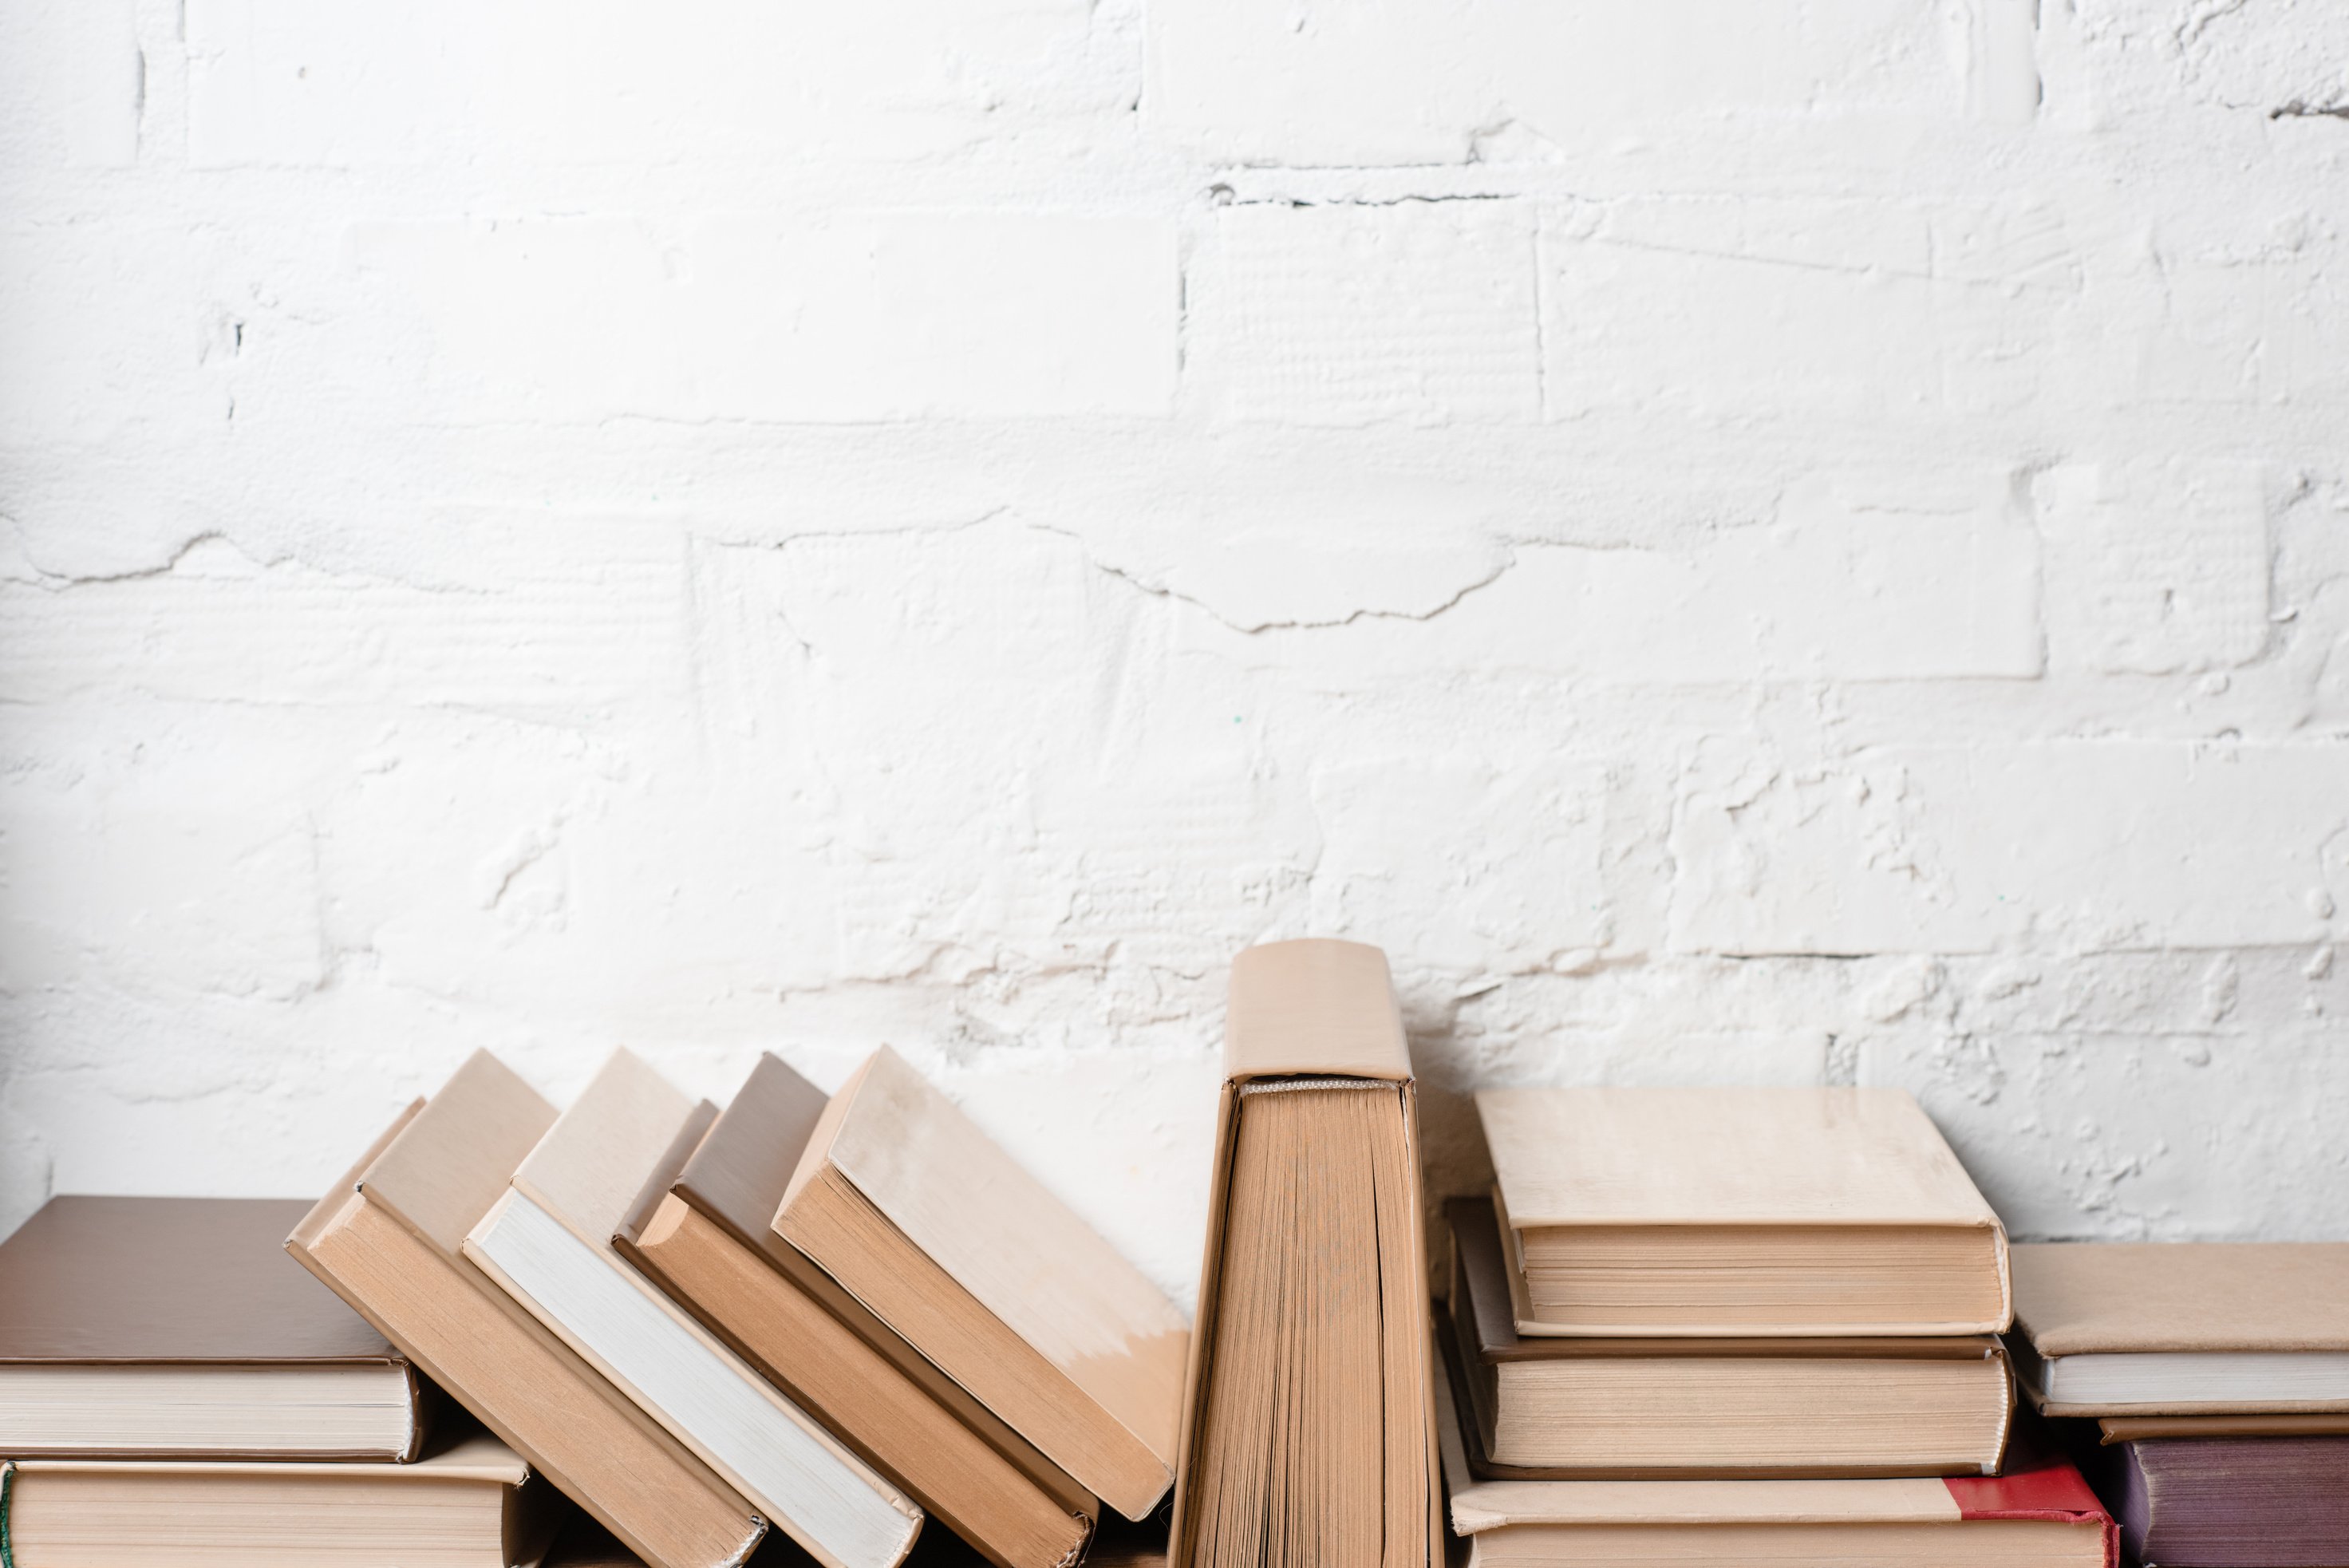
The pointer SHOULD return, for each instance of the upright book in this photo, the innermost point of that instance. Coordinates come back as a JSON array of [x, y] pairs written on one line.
[[387, 1238], [1755, 1212], [1571, 1407], [470, 1505], [2038, 1514], [177, 1328], [1308, 1434], [548, 1241], [959, 1249], [700, 1231], [2182, 1327]]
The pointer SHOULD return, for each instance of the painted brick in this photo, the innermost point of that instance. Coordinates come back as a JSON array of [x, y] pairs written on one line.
[[275, 82], [70, 83], [836, 318], [2156, 566], [1424, 313], [1401, 82], [2089, 845]]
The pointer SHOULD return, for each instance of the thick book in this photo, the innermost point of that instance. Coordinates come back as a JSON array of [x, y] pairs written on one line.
[[2229, 1502], [2038, 1514], [177, 1328], [547, 1240], [958, 1249], [1573, 1408], [473, 1504], [700, 1231], [387, 1238], [1755, 1212], [1309, 1436], [2182, 1327]]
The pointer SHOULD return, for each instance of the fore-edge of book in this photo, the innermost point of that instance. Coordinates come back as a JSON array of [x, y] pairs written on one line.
[[584, 1175], [1310, 1008], [402, 1212]]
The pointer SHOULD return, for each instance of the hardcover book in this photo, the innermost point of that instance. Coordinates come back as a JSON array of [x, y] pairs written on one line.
[[177, 1328], [471, 1505], [701, 1231], [1752, 1212], [1572, 1407], [2038, 1514], [1308, 1431], [2183, 1327], [951, 1242], [547, 1240], [2230, 1502], [387, 1238]]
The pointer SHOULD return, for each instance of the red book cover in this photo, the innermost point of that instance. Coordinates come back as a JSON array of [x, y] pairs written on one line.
[[2035, 1484]]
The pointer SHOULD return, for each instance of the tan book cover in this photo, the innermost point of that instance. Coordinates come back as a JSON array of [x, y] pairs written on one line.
[[471, 1504], [2041, 1515], [957, 1247], [1578, 1408], [795, 1330], [387, 1240], [1315, 1249], [1769, 1211], [2074, 1298], [583, 1175]]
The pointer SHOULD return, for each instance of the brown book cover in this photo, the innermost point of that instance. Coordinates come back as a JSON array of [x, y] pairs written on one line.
[[166, 1283], [957, 1247], [772, 1307], [1317, 1072], [387, 1238], [1677, 1409]]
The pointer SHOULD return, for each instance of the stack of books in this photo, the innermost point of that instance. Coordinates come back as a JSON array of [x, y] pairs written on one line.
[[2205, 1388], [1698, 1323], [830, 1317], [174, 1392]]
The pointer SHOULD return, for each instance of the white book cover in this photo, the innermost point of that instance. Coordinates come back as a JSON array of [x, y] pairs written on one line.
[[548, 1243]]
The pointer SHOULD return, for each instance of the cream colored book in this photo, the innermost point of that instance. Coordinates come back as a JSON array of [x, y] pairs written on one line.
[[2181, 1328], [2038, 1514], [1741, 1213], [1309, 1436], [472, 1504], [951, 1242], [386, 1238], [548, 1241]]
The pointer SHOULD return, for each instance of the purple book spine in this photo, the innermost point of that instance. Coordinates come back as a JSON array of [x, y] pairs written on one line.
[[2236, 1502]]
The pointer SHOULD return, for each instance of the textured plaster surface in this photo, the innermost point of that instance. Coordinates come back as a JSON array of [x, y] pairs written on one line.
[[1774, 543]]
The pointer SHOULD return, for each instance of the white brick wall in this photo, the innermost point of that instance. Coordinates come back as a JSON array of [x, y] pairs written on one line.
[[1758, 542]]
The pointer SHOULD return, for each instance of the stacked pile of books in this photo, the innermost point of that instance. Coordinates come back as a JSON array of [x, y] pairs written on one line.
[[2205, 1388], [1713, 1324], [1684, 1326]]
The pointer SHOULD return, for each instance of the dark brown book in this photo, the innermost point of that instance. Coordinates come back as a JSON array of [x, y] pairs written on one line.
[[177, 1328], [1557, 1408], [699, 1232], [2229, 1502]]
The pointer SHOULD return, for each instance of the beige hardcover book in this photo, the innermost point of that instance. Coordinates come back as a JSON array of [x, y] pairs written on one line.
[[1307, 1424], [2183, 1328], [1752, 1212], [469, 1505], [387, 1240], [548, 1243], [701, 1231], [1571, 1408], [2040, 1515], [952, 1244]]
